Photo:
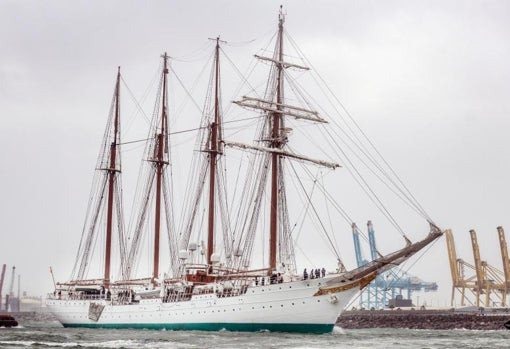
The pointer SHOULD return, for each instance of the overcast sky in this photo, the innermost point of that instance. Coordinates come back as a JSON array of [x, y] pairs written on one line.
[[429, 82]]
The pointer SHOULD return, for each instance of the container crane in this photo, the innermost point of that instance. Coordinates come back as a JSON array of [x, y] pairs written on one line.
[[371, 240], [458, 267], [480, 282], [389, 284], [489, 279], [2, 277], [505, 260], [372, 296], [11, 290], [357, 246], [18, 298]]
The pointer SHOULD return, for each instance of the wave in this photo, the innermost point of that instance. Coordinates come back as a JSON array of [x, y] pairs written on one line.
[[107, 344]]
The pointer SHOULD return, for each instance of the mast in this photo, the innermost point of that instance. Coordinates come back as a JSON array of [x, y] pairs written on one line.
[[160, 163], [111, 184], [274, 134], [105, 200], [213, 153], [155, 190], [276, 143]]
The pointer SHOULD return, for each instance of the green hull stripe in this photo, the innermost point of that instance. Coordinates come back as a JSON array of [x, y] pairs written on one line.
[[242, 327]]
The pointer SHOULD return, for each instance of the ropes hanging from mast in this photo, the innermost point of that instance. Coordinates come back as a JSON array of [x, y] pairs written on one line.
[[208, 161], [106, 187], [266, 171], [156, 183], [360, 140]]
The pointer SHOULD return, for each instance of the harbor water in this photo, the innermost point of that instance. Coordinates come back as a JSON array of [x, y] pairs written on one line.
[[53, 335]]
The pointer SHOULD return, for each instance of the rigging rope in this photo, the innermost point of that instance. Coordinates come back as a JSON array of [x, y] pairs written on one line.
[[337, 254], [188, 130], [409, 194]]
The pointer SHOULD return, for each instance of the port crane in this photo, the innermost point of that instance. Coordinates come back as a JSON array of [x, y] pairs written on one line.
[[486, 285], [11, 289], [389, 284], [489, 279], [460, 282], [2, 277], [506, 262]]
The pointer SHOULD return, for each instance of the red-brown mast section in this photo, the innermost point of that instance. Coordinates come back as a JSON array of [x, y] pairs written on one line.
[[276, 143], [112, 172], [213, 153], [160, 163]]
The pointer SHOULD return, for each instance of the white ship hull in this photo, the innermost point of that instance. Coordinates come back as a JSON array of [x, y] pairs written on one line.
[[290, 307]]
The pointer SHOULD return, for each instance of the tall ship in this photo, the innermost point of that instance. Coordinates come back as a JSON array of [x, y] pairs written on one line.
[[214, 279]]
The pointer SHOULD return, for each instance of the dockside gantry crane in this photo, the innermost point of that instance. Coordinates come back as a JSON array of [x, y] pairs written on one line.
[[489, 279], [481, 283], [460, 282], [11, 289], [505, 260], [2, 277], [389, 284]]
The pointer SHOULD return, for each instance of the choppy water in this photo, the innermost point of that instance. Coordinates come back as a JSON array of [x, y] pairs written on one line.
[[52, 335]]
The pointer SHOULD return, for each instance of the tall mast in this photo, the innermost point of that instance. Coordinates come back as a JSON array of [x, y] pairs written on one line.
[[112, 171], [274, 134], [276, 143], [213, 153], [159, 162]]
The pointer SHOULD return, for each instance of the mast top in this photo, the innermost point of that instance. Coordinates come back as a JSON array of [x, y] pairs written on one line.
[[218, 40], [281, 16], [165, 58]]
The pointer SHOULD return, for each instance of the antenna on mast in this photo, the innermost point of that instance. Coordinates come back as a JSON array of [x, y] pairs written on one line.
[[281, 16]]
